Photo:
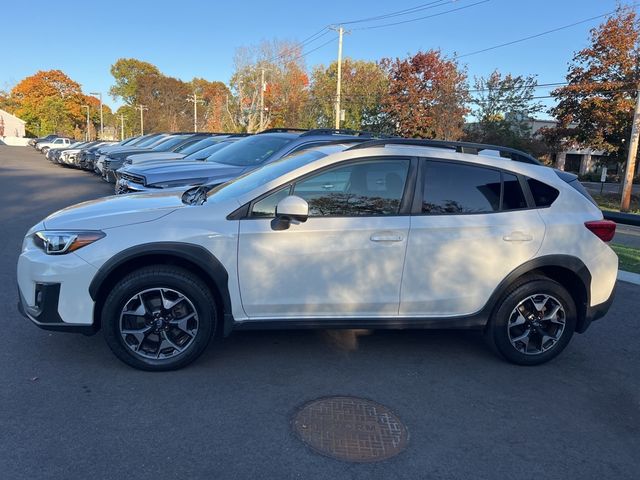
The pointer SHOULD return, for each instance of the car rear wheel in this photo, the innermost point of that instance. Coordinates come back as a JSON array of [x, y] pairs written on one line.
[[533, 323], [159, 318]]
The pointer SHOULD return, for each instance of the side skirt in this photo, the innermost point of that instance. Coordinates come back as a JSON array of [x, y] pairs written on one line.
[[473, 322]]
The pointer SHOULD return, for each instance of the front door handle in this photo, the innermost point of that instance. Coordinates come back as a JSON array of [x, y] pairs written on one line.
[[517, 237], [386, 237]]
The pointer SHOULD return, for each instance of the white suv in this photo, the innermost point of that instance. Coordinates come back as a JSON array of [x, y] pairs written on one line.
[[386, 234]]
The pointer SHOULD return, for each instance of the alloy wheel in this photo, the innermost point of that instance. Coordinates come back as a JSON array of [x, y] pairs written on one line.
[[536, 324], [158, 323]]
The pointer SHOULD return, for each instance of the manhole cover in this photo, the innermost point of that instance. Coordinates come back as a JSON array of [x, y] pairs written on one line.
[[350, 428]]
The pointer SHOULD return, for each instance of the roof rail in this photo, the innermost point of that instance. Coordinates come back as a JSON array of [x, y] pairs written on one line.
[[340, 131], [460, 147], [230, 135], [283, 130]]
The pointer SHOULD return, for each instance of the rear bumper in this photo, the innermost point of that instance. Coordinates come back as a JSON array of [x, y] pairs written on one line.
[[596, 312]]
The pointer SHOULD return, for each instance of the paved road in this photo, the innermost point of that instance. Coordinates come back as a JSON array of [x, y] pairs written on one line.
[[608, 187], [69, 409]]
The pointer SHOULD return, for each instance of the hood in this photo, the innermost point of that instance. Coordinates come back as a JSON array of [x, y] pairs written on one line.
[[121, 153], [115, 211], [186, 171]]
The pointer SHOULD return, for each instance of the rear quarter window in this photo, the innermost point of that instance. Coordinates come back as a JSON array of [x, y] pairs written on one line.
[[543, 195]]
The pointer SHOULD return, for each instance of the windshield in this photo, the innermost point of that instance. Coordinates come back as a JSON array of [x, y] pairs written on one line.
[[249, 181], [145, 142], [251, 150], [168, 143], [202, 155], [189, 148]]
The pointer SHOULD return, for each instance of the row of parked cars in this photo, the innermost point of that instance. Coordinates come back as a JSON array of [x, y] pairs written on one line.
[[167, 160], [320, 228]]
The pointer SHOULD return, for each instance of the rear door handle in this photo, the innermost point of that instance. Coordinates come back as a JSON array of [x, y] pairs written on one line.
[[517, 237], [386, 237]]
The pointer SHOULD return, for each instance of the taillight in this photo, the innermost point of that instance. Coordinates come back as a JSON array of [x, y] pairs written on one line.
[[603, 229]]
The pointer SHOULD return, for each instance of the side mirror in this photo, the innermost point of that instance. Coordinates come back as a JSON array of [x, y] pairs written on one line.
[[289, 210]]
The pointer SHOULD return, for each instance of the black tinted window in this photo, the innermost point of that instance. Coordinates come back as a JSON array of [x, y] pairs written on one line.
[[359, 189], [450, 188], [543, 194], [512, 196]]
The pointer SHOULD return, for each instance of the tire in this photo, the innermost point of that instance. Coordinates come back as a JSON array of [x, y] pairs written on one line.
[[160, 331], [519, 329]]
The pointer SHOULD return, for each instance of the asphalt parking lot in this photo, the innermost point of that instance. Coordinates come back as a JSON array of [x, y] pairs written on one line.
[[70, 409]]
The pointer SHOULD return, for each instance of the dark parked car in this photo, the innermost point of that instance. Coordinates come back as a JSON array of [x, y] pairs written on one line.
[[232, 161]]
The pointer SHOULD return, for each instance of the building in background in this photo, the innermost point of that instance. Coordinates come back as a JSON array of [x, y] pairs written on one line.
[[11, 126]]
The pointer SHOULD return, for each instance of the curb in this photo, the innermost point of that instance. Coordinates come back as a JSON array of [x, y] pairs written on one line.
[[629, 277]]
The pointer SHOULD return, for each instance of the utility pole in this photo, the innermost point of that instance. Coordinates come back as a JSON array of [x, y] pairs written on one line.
[[121, 127], [631, 157], [263, 87], [194, 98], [101, 116], [142, 108], [340, 31], [87, 133]]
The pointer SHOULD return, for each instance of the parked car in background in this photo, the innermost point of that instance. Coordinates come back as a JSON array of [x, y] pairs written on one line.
[[55, 143], [179, 153], [390, 233], [48, 138], [172, 142], [68, 157], [141, 142], [53, 154], [225, 164]]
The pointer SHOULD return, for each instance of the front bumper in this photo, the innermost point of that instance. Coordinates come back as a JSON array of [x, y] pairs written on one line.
[[54, 289], [46, 314], [127, 186]]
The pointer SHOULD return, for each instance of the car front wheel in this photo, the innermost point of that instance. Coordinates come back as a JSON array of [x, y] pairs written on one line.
[[159, 318], [533, 323]]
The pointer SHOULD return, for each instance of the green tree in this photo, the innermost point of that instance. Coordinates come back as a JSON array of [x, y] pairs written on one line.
[[126, 73], [364, 85], [503, 106]]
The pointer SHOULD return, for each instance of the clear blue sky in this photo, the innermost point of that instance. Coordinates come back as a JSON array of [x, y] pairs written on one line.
[[198, 38]]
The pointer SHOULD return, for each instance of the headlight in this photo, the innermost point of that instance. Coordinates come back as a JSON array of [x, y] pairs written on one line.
[[58, 242], [178, 183]]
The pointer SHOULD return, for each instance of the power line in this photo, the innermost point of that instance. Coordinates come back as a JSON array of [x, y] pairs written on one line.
[[408, 11], [530, 37], [423, 18]]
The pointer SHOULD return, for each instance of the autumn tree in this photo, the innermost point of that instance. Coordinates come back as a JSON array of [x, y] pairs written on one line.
[[212, 113], [502, 106], [166, 100], [49, 101], [285, 89], [427, 95], [364, 85], [126, 73], [595, 108]]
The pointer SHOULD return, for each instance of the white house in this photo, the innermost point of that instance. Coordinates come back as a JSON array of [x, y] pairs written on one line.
[[10, 125]]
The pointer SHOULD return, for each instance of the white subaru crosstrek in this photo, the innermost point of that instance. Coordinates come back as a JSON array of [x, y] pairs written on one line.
[[386, 234]]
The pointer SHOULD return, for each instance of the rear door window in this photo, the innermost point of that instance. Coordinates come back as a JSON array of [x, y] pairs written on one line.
[[451, 188]]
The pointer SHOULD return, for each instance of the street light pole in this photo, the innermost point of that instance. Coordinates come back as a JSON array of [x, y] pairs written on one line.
[[121, 127], [142, 108], [101, 116], [262, 89], [87, 132], [340, 31]]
